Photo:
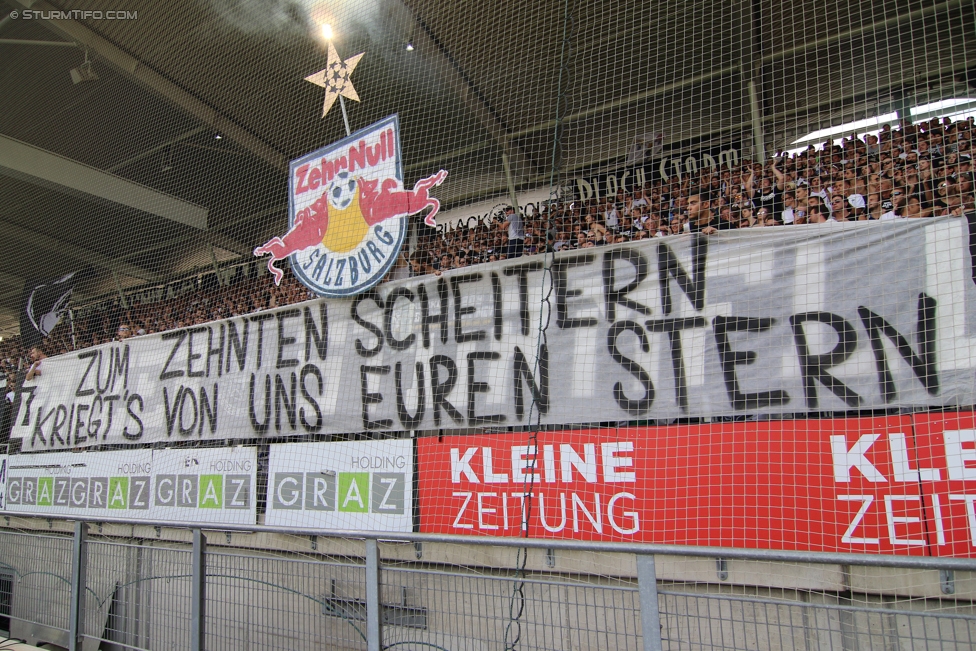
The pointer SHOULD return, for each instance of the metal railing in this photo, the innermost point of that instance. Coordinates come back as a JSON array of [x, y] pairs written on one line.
[[89, 591]]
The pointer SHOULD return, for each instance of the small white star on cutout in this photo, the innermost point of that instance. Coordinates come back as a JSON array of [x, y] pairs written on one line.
[[335, 78]]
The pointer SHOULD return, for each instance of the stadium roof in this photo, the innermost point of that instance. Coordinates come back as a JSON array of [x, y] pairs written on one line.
[[127, 173]]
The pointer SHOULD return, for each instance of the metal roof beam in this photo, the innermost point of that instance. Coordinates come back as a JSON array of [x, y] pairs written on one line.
[[37, 241], [216, 239], [20, 41], [213, 239], [33, 163], [155, 150]]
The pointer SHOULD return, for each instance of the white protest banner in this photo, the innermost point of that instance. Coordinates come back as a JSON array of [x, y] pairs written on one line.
[[350, 485], [783, 320]]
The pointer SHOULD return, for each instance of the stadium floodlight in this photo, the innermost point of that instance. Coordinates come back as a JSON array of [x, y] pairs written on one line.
[[941, 105], [84, 72]]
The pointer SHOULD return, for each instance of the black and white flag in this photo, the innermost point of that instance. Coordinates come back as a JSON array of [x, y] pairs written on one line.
[[45, 302]]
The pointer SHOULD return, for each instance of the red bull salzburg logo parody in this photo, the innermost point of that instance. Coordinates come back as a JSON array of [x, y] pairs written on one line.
[[348, 212]]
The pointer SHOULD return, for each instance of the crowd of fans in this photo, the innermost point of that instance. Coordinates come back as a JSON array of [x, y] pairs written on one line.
[[916, 171]]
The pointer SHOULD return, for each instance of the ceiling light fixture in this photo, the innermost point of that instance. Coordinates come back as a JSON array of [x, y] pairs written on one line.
[[409, 47], [217, 136], [167, 159], [84, 72]]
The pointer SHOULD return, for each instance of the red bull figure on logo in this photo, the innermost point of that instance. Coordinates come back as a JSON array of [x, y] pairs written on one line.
[[353, 214]]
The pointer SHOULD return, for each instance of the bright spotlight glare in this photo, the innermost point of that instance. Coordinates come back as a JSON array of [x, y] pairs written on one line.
[[409, 47], [327, 31]]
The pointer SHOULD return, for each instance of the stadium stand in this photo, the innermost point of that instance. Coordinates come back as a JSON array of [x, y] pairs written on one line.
[[915, 171], [918, 171], [753, 361]]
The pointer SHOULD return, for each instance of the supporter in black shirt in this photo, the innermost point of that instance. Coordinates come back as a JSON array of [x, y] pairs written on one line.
[[940, 202], [770, 192], [700, 216], [817, 215], [887, 208], [726, 219], [966, 172]]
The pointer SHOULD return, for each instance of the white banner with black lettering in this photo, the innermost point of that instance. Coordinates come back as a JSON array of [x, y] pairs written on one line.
[[211, 485], [781, 320], [349, 485]]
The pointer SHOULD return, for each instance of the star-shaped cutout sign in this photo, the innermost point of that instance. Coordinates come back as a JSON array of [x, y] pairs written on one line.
[[335, 78]]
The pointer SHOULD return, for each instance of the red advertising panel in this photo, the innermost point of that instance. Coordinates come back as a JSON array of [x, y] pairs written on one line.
[[824, 485], [946, 473]]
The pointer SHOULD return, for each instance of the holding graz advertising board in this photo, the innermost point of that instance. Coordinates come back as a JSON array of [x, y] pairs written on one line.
[[214, 485], [353, 485], [820, 318]]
